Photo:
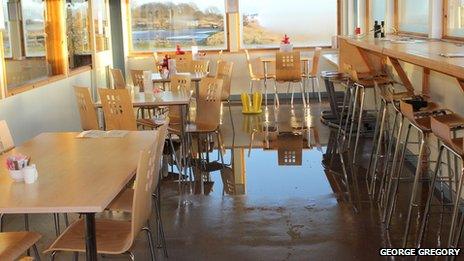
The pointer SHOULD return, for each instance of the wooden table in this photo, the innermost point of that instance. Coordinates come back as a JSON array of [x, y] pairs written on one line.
[[194, 77], [76, 175], [361, 53]]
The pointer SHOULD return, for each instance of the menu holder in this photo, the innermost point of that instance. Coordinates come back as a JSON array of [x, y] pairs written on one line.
[[102, 134]]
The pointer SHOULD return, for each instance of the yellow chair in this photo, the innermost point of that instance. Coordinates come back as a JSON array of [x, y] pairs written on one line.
[[183, 62], [137, 78], [224, 72], [199, 66], [116, 237]]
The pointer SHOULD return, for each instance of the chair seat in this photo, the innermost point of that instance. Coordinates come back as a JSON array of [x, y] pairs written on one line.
[[123, 202], [112, 236], [149, 123], [260, 76], [15, 244], [370, 82]]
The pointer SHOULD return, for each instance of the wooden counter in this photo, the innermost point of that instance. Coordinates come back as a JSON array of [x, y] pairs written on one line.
[[369, 55]]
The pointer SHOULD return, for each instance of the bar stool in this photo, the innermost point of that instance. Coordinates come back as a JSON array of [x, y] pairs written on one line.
[[419, 119], [388, 98], [445, 127]]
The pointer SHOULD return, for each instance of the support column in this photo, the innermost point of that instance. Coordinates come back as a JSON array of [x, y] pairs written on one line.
[[55, 29], [390, 16], [435, 19]]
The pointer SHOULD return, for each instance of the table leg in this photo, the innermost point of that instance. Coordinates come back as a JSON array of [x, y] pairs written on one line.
[[197, 90], [90, 237]]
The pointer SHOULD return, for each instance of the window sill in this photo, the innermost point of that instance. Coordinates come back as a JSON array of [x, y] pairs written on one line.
[[33, 85], [453, 39], [78, 70]]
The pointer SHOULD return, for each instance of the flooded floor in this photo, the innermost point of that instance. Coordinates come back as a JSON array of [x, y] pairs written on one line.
[[279, 201]]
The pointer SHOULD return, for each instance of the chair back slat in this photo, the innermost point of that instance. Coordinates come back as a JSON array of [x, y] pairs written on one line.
[[118, 109], [199, 66], [288, 66], [209, 103], [87, 112], [224, 72], [118, 79], [6, 141], [137, 78], [315, 63]]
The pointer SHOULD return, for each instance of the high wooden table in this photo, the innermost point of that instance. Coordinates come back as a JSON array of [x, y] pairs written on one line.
[[76, 175], [366, 55]]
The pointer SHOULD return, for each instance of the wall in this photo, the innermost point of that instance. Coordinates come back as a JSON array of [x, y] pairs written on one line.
[[44, 109]]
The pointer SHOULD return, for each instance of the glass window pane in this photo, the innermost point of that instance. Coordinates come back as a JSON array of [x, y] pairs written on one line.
[[78, 31], [413, 16], [6, 32], [379, 10], [455, 26], [306, 22], [159, 25], [101, 24], [33, 26]]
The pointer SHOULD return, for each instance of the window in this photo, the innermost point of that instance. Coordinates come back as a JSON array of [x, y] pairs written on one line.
[[33, 27], [101, 24], [455, 18], [159, 25], [6, 32], [413, 16], [78, 31], [379, 10], [306, 22]]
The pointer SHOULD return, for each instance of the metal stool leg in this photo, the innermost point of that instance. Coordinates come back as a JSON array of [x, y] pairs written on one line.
[[455, 210], [374, 148], [353, 114], [412, 201], [383, 109], [387, 161], [360, 119], [391, 201], [428, 204]]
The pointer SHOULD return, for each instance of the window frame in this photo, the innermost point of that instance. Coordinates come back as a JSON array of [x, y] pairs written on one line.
[[134, 53], [444, 24]]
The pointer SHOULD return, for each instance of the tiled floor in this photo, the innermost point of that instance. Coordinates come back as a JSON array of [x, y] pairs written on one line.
[[278, 212]]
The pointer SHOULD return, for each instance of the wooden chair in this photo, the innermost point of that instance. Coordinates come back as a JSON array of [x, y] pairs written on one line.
[[15, 244], [257, 75], [118, 109], [199, 66], [313, 73], [123, 202], [183, 62], [137, 78], [224, 72], [6, 140], [87, 112], [207, 122], [116, 237], [288, 70], [118, 79]]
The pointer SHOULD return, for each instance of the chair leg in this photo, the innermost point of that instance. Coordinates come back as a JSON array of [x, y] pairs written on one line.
[[76, 256], [293, 92], [159, 223], [131, 255], [231, 117], [66, 219], [371, 189], [303, 94], [276, 98], [360, 118], [52, 257], [318, 89], [56, 219], [353, 114], [425, 217], [1, 222], [36, 252], [455, 212], [415, 186], [151, 242], [396, 179]]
